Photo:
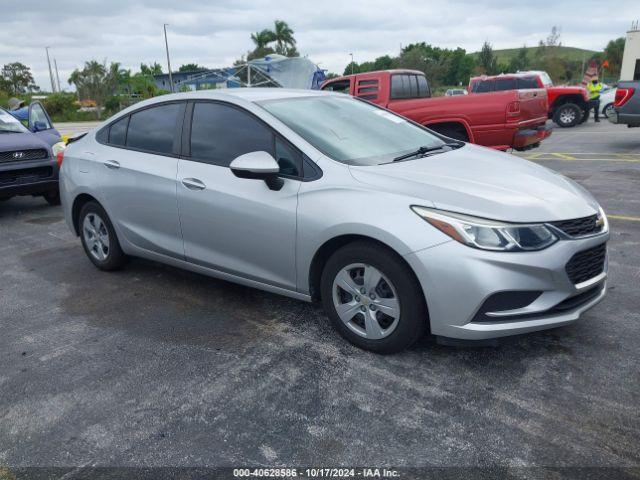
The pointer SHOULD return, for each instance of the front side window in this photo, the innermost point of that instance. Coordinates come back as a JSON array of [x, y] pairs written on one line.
[[38, 118], [349, 130], [341, 86], [220, 133], [288, 158], [154, 129]]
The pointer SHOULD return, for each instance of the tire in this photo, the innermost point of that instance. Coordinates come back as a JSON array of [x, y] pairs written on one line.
[[585, 116], [608, 109], [567, 115], [364, 321], [104, 252], [52, 198]]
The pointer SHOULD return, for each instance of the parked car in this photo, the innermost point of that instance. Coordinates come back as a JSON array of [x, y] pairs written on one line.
[[502, 121], [455, 91], [626, 108], [28, 164], [607, 100], [568, 106], [318, 195]]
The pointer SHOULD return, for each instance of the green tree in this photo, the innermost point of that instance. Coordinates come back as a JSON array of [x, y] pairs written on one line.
[[17, 78], [487, 59], [96, 81], [285, 42], [151, 69], [191, 67], [520, 61], [613, 54]]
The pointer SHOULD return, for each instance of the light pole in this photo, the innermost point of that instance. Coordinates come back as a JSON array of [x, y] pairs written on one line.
[[166, 44], [53, 87], [351, 63], [55, 64]]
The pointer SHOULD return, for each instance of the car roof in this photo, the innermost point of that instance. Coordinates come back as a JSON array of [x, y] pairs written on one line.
[[248, 94]]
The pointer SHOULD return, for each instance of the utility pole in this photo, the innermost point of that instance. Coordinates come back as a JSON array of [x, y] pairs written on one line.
[[166, 44], [351, 63], [53, 87], [55, 64]]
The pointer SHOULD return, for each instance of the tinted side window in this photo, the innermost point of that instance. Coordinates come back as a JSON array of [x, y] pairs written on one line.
[[118, 132], [339, 86], [154, 129], [483, 86], [505, 84], [288, 158], [409, 86], [527, 82], [220, 133]]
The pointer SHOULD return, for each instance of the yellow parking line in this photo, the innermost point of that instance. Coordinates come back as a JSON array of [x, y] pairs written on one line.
[[624, 217], [563, 156]]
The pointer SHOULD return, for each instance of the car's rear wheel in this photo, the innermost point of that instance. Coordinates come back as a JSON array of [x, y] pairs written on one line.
[[99, 238], [567, 115], [608, 110], [373, 298], [52, 198]]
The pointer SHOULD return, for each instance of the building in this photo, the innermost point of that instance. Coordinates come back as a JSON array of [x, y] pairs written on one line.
[[631, 57]]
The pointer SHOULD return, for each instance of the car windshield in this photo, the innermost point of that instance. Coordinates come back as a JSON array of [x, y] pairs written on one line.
[[350, 131], [9, 123]]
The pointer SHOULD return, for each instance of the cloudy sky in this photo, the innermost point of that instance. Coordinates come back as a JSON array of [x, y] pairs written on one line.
[[215, 33]]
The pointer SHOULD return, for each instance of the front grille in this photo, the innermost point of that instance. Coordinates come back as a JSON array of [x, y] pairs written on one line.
[[20, 155], [586, 264], [579, 227], [25, 174]]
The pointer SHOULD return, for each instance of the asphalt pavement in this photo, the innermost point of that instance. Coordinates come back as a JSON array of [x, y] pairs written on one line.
[[153, 366]]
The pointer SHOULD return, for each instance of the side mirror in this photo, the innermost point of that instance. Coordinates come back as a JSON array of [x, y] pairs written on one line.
[[258, 166], [39, 126]]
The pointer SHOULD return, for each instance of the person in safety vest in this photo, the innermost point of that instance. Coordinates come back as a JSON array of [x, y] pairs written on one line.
[[594, 87]]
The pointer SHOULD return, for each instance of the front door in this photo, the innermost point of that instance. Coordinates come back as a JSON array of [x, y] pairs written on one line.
[[235, 225]]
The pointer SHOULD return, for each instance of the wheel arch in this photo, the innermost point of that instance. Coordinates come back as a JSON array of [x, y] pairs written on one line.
[[455, 124], [569, 98], [325, 251], [79, 202]]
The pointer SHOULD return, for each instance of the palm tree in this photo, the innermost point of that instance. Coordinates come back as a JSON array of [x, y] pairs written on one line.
[[263, 38], [285, 43]]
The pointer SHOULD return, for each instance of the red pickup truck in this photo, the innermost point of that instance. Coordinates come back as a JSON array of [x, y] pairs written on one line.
[[568, 106], [513, 119]]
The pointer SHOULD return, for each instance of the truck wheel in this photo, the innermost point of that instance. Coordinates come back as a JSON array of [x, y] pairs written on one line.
[[567, 115], [585, 115]]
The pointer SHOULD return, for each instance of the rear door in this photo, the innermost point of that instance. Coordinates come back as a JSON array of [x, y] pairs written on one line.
[[40, 124], [237, 225], [138, 166]]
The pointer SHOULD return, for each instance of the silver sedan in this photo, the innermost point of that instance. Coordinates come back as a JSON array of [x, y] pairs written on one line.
[[319, 196]]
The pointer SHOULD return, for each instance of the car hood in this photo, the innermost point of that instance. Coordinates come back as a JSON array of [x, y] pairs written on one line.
[[20, 141], [485, 183]]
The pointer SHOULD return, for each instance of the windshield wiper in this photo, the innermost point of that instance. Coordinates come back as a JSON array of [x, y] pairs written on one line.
[[425, 150]]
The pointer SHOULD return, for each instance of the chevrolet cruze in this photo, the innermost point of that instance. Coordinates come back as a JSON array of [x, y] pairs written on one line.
[[320, 196]]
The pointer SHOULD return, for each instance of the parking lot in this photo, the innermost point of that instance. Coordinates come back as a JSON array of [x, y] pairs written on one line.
[[155, 366]]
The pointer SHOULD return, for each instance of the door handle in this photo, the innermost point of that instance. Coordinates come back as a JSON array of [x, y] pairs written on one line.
[[111, 164], [193, 184]]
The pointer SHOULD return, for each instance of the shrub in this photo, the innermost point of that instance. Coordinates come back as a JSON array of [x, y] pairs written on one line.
[[60, 104]]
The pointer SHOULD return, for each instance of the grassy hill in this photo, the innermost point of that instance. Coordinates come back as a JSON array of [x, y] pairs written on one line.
[[569, 53]]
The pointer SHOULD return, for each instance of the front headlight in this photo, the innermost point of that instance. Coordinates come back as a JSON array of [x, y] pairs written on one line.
[[488, 234], [58, 147]]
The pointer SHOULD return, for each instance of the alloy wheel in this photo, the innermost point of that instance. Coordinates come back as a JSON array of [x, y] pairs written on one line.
[[366, 301], [567, 115], [96, 236]]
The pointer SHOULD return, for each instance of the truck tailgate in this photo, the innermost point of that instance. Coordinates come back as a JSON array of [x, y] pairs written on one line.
[[533, 106]]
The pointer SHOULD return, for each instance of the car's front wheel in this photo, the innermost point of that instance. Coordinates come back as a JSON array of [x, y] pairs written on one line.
[[372, 298], [99, 238]]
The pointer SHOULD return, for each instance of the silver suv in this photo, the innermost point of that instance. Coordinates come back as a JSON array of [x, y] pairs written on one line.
[[317, 195]]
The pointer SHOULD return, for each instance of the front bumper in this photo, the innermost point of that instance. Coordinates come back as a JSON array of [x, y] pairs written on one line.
[[30, 177], [457, 280]]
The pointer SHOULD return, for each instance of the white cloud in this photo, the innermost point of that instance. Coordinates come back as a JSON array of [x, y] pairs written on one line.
[[215, 34]]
